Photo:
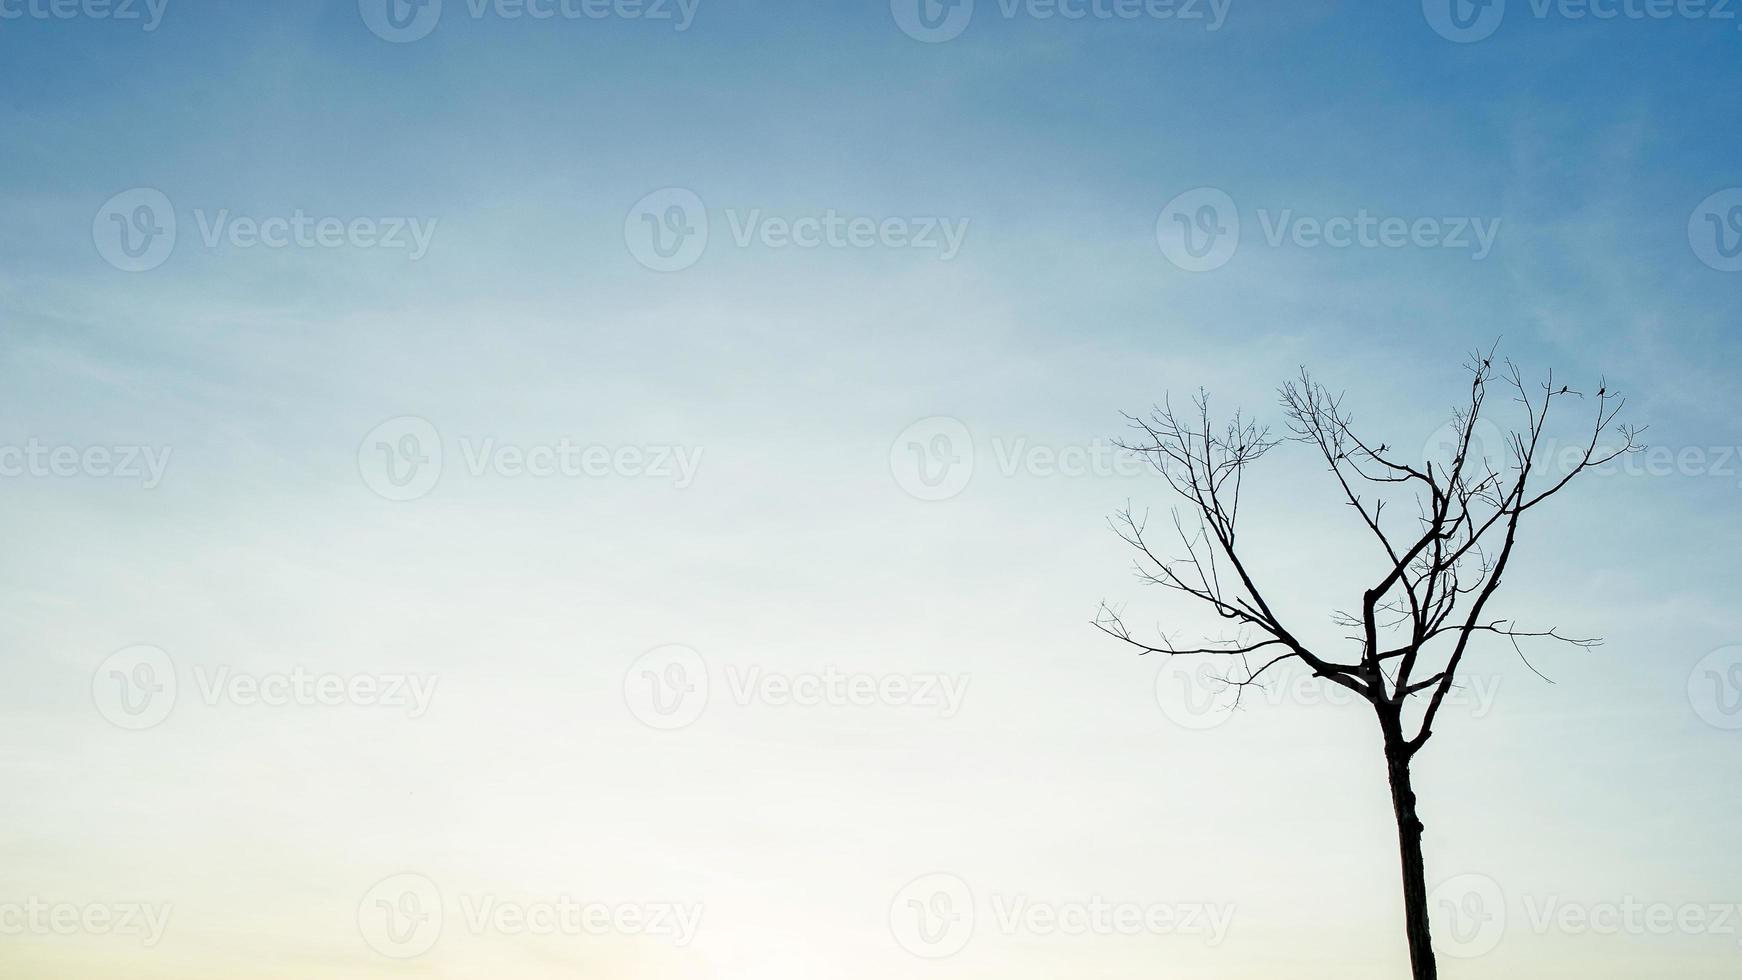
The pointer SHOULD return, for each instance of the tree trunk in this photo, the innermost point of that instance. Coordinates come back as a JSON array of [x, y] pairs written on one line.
[[1415, 909]]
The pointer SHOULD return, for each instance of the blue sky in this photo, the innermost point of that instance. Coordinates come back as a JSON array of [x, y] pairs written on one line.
[[793, 377]]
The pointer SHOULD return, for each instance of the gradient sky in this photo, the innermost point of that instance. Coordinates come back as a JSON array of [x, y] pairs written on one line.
[[796, 549]]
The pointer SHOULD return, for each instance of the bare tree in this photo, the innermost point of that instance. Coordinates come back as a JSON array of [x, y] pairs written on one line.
[[1439, 566]]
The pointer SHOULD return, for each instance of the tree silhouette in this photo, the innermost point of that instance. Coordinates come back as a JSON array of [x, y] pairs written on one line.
[[1440, 566]]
